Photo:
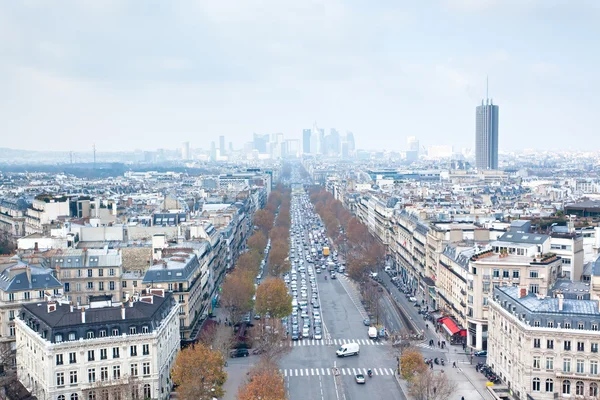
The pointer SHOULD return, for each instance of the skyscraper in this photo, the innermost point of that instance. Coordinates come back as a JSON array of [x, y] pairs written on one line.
[[222, 148], [486, 136], [185, 151], [306, 141], [351, 143]]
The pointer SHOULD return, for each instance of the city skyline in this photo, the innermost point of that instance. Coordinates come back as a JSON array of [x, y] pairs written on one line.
[[370, 80]]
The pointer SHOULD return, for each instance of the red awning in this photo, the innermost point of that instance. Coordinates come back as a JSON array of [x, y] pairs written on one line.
[[463, 332], [450, 326]]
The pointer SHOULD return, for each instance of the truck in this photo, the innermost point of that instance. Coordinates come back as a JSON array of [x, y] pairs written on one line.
[[348, 349], [326, 251]]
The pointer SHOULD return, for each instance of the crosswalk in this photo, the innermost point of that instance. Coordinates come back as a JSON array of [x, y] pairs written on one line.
[[294, 372], [425, 346], [335, 342]]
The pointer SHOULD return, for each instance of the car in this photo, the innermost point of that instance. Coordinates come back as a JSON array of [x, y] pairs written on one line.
[[295, 335], [360, 378], [318, 334], [481, 353], [367, 322], [315, 304], [256, 316], [239, 353]]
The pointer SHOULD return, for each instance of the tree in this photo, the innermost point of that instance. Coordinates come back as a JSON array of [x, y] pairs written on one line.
[[265, 382], [272, 297], [198, 373], [249, 262], [411, 363], [237, 292], [278, 257], [269, 339], [430, 385], [7, 244], [264, 219], [219, 337], [258, 241]]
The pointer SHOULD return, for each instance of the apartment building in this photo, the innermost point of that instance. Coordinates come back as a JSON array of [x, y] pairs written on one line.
[[467, 275], [102, 350], [12, 216], [544, 347], [88, 272], [44, 211], [178, 270]]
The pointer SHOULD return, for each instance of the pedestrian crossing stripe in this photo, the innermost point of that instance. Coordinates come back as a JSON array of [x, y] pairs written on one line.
[[303, 372], [335, 342]]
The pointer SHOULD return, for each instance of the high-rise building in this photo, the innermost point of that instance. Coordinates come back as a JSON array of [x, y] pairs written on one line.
[[260, 143], [185, 151], [222, 147], [213, 151], [350, 140], [486, 136], [306, 141]]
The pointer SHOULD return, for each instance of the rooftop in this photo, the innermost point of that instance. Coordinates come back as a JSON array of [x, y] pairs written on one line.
[[549, 305]]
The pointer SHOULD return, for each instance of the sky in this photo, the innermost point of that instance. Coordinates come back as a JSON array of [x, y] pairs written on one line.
[[128, 75]]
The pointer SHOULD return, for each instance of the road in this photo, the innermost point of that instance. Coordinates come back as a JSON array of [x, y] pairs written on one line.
[[313, 371]]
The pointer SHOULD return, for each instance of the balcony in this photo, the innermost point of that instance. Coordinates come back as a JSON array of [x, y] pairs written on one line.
[[463, 292]]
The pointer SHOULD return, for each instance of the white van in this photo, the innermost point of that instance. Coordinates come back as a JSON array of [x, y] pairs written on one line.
[[373, 332], [348, 349]]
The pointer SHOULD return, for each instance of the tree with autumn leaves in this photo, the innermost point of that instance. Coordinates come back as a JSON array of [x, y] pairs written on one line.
[[198, 373], [272, 297], [258, 241], [265, 382], [411, 363], [237, 292]]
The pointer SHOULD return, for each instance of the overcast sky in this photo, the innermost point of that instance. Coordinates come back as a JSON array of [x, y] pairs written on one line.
[[150, 74]]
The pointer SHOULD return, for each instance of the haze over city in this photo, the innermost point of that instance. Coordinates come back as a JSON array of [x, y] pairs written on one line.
[[126, 75]]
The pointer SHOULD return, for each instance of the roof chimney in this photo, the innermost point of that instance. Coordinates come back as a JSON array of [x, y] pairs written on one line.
[[83, 315], [561, 300], [522, 292], [122, 311], [71, 306], [51, 307], [131, 302]]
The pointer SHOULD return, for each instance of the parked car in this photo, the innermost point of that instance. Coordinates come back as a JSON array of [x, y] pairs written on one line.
[[239, 353], [481, 353], [367, 322]]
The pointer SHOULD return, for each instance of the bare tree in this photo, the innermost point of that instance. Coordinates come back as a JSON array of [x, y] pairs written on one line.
[[430, 385], [269, 339], [219, 337]]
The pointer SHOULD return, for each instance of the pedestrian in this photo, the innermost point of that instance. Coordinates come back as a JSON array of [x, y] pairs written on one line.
[[454, 364], [431, 365], [462, 397], [439, 343]]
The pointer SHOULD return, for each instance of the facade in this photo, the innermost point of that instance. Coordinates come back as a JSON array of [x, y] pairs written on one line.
[[88, 272], [70, 353], [486, 136], [544, 347]]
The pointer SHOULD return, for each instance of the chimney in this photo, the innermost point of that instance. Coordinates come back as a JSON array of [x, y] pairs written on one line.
[[51, 307], [35, 247], [83, 315], [131, 302], [561, 299], [122, 311], [71, 306], [522, 292]]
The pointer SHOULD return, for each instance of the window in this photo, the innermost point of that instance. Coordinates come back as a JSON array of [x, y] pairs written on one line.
[[124, 284], [147, 391], [104, 373], [61, 397], [132, 330], [181, 299], [579, 388], [73, 377], [100, 285], [111, 272], [100, 272], [580, 369], [146, 349], [145, 329], [72, 358], [580, 346], [90, 285], [103, 355], [91, 355], [550, 344], [486, 287], [115, 332], [26, 295], [91, 375], [146, 368], [534, 288], [74, 396], [90, 335], [566, 365], [111, 285], [536, 324], [102, 333], [567, 325], [91, 395], [536, 343], [59, 359], [57, 338], [115, 352], [515, 273], [536, 362], [116, 372], [549, 385], [134, 369], [593, 389], [536, 385], [60, 379], [593, 367], [567, 345], [72, 336], [133, 351], [496, 273], [580, 325], [594, 327], [90, 273], [594, 347], [566, 387], [549, 362], [533, 274], [505, 273]]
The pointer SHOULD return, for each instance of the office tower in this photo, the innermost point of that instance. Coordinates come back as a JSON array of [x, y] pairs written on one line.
[[350, 140], [345, 152], [412, 154], [185, 151], [213, 151], [486, 136], [333, 142], [315, 140], [222, 148], [306, 141], [260, 143]]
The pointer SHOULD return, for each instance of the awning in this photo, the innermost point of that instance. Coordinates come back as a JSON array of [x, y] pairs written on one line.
[[463, 332], [450, 326]]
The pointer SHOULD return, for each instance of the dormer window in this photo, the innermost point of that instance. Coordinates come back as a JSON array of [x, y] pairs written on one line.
[[145, 329], [132, 330], [58, 338], [90, 335], [72, 336], [115, 332], [102, 333]]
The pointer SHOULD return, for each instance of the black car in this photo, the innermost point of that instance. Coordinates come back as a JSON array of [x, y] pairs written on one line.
[[239, 353]]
